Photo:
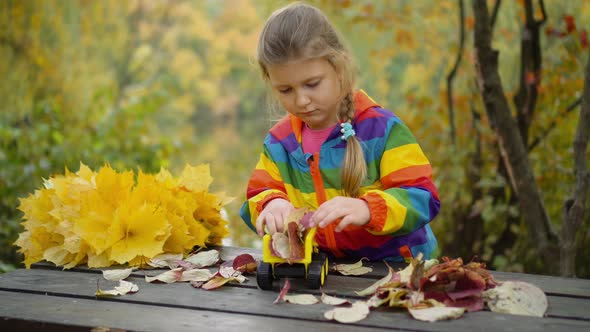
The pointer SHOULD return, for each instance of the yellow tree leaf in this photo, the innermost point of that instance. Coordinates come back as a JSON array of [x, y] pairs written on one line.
[[144, 230]]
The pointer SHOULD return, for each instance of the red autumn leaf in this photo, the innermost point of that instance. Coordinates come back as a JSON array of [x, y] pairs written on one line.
[[284, 291], [456, 284], [245, 263], [530, 77], [584, 38], [306, 220], [570, 22], [471, 303]]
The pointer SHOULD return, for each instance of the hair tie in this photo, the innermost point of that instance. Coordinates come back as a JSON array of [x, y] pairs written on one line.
[[347, 131]]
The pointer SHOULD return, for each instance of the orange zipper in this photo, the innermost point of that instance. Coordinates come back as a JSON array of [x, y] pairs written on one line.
[[320, 191]]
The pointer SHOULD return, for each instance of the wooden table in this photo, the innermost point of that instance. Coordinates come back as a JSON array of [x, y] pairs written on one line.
[[49, 298]]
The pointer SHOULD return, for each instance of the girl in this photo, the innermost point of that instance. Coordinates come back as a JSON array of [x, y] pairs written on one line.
[[336, 151]]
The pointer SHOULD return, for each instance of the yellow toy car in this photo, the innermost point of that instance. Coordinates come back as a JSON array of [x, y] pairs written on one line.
[[314, 266]]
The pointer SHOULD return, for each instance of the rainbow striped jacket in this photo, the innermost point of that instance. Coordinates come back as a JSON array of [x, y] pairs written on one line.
[[399, 190]]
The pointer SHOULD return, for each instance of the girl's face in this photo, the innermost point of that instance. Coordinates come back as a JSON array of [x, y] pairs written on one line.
[[308, 89]]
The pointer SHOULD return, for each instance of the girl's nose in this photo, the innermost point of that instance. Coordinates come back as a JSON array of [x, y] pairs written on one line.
[[302, 99]]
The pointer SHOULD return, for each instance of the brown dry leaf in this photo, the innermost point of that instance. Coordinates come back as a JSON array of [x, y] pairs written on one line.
[[196, 275], [203, 258], [296, 249], [391, 275], [406, 273], [332, 300], [116, 275], [358, 311], [215, 283], [125, 287], [517, 298], [168, 277], [304, 299], [355, 269]]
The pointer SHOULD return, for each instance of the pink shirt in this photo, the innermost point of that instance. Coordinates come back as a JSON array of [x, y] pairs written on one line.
[[312, 139]]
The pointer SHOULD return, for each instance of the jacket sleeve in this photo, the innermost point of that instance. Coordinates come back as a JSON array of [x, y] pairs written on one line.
[[408, 199], [264, 185]]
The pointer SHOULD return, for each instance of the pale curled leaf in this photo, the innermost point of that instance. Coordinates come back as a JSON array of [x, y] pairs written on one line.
[[434, 314], [517, 298], [332, 300], [203, 258], [124, 287], [371, 289], [304, 299], [355, 269], [168, 277], [118, 274], [358, 311], [228, 272], [196, 275], [165, 261], [280, 245]]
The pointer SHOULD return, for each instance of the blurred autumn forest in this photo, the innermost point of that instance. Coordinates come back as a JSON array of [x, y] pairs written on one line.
[[150, 84]]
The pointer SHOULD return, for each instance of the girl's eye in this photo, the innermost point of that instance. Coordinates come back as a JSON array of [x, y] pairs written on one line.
[[285, 90], [313, 84]]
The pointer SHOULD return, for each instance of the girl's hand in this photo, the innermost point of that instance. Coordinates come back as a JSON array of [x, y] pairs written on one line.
[[353, 211], [274, 215]]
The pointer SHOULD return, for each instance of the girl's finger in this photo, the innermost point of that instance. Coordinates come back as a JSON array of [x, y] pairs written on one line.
[[271, 223], [347, 220], [260, 225], [331, 217]]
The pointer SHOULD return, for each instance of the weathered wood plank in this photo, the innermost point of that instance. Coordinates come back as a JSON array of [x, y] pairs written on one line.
[[551, 285], [252, 301], [62, 313]]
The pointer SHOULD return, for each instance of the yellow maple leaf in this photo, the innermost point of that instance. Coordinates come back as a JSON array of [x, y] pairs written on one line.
[[36, 208], [58, 255], [166, 178], [199, 232], [144, 229], [99, 260], [85, 172], [196, 178], [94, 224], [114, 187], [180, 239]]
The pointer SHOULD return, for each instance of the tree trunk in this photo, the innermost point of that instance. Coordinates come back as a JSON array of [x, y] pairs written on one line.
[[575, 206], [510, 143]]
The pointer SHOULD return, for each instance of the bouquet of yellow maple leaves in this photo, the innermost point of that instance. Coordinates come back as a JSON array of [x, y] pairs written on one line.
[[108, 217]]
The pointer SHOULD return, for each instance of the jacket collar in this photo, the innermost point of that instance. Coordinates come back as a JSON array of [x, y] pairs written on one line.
[[292, 125]]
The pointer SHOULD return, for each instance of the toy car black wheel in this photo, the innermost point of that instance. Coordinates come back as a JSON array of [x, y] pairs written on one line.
[[315, 275], [264, 276], [322, 258]]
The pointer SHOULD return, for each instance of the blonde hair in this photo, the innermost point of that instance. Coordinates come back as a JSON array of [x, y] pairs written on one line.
[[300, 31]]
